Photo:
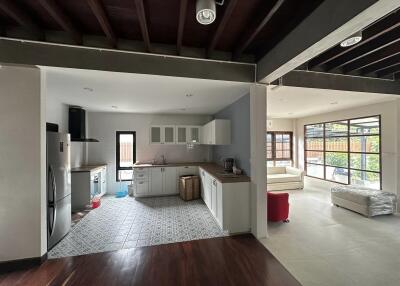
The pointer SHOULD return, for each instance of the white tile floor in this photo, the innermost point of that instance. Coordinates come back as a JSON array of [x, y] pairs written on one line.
[[127, 222], [326, 245]]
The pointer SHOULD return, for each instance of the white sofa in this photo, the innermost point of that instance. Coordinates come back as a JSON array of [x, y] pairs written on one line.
[[284, 178]]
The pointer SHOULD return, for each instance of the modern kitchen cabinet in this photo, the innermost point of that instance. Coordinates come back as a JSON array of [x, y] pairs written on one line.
[[194, 134], [216, 132], [162, 134], [155, 181], [182, 135], [229, 203], [86, 183]]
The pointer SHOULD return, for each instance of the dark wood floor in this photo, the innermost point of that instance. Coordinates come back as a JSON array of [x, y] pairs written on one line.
[[238, 260]]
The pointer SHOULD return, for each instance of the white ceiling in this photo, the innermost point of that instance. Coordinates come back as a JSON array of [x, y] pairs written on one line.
[[296, 102], [138, 93]]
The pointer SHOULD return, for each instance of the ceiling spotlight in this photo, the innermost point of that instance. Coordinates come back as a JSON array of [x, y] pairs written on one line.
[[205, 11], [352, 40], [88, 89], [114, 107], [189, 95], [334, 103]]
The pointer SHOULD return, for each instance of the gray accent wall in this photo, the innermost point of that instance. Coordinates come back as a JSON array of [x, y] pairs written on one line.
[[239, 114]]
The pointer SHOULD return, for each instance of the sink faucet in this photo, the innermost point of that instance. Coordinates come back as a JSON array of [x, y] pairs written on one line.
[[164, 161]]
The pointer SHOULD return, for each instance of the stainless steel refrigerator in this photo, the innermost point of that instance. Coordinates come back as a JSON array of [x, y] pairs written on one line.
[[58, 187]]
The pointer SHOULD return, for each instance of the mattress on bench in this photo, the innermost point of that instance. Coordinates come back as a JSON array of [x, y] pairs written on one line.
[[368, 202]]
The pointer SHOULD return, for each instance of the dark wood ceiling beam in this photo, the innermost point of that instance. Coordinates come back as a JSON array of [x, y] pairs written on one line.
[[373, 32], [181, 25], [250, 35], [365, 50], [381, 65], [373, 58], [141, 13], [21, 17], [388, 71], [62, 19], [230, 6], [101, 15]]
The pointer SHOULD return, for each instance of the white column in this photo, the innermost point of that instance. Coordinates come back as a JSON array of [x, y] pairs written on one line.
[[258, 117], [22, 164]]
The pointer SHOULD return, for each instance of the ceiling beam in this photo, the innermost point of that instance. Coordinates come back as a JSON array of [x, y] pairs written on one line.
[[380, 65], [254, 30], [373, 58], [101, 15], [388, 71], [62, 19], [371, 33], [55, 55], [345, 60], [221, 26], [141, 13], [321, 80], [21, 17], [328, 24], [181, 25]]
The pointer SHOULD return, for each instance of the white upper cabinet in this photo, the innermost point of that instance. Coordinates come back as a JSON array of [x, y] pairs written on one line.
[[181, 135], [162, 134], [217, 132], [155, 134], [169, 134], [194, 134]]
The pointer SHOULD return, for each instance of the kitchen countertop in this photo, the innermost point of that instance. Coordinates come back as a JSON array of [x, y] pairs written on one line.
[[87, 168], [212, 168]]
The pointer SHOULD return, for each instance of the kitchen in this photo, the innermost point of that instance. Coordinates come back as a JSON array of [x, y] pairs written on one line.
[[192, 137]]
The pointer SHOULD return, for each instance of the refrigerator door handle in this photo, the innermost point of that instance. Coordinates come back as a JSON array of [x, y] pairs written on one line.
[[53, 203]]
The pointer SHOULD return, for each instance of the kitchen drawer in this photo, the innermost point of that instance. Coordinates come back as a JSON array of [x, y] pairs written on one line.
[[142, 187], [141, 170], [141, 176]]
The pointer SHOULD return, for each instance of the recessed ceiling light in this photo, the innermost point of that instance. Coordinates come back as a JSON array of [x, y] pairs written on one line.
[[334, 103], [88, 89], [114, 107], [205, 11], [352, 40], [189, 95]]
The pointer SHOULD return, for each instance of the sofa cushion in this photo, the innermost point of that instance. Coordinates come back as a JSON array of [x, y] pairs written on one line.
[[282, 178], [276, 170]]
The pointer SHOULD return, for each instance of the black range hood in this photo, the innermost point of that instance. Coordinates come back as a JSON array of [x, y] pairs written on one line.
[[77, 125]]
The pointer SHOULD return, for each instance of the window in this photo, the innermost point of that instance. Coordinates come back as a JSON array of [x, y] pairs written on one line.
[[345, 151], [279, 148], [126, 154]]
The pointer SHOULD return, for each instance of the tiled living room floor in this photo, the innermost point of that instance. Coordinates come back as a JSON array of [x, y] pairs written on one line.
[[127, 223], [326, 245]]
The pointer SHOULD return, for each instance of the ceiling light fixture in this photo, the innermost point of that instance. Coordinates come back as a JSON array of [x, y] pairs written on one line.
[[88, 89], [334, 103], [206, 11], [114, 107], [352, 40], [189, 95]]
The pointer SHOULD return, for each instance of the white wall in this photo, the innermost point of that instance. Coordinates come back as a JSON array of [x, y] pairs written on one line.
[[57, 112], [22, 164], [103, 126], [280, 124], [390, 136]]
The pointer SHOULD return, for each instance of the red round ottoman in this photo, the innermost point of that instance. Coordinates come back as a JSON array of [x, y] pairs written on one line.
[[278, 206]]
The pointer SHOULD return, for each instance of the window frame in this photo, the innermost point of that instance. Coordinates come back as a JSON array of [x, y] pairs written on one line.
[[273, 146], [117, 153], [348, 152]]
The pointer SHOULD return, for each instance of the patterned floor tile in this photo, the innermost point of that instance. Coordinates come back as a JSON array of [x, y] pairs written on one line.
[[127, 223]]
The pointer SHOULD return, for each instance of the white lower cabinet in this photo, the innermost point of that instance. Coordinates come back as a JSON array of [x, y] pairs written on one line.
[[155, 181], [170, 181], [228, 202]]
